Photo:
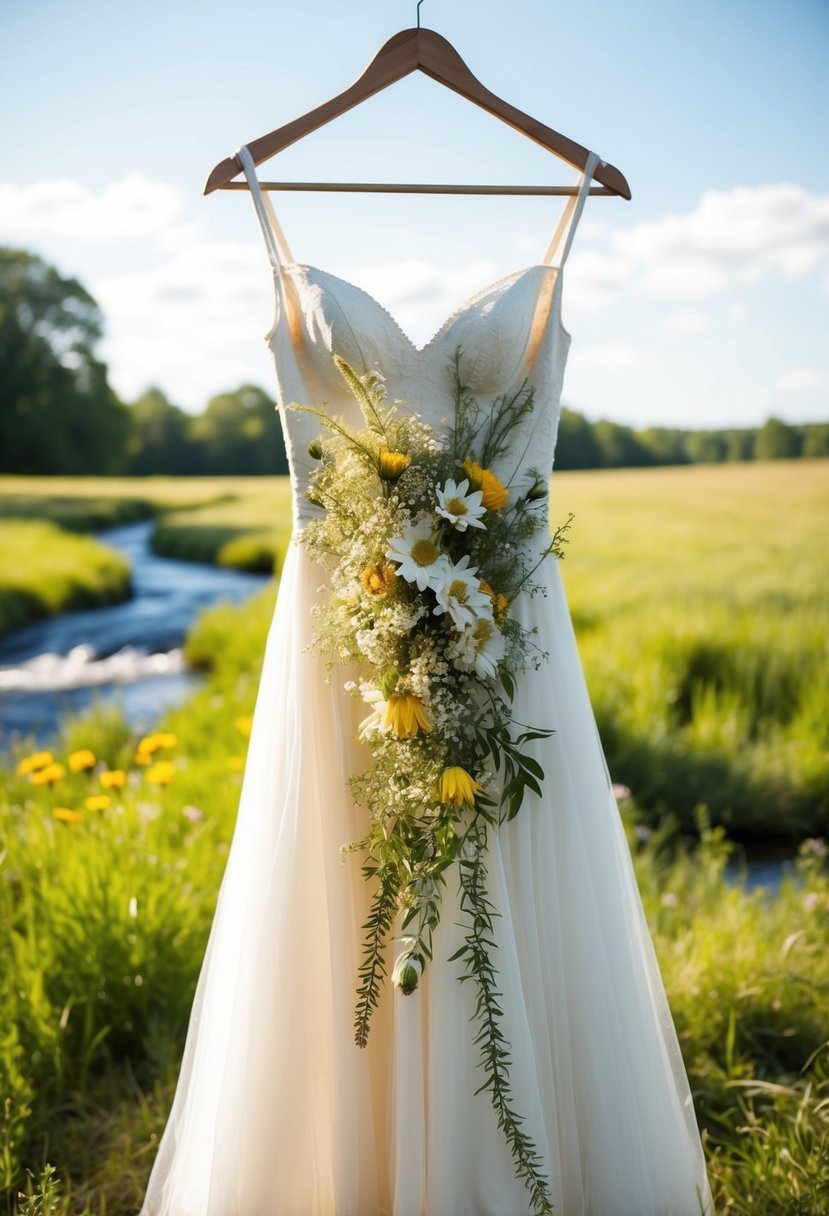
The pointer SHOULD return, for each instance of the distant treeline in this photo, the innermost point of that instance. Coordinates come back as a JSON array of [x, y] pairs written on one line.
[[58, 413]]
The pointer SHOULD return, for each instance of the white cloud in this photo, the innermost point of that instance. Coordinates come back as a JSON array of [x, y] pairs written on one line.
[[731, 237], [803, 379], [686, 322], [132, 206]]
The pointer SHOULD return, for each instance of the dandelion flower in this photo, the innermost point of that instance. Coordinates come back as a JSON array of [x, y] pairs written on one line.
[[235, 763], [67, 815], [30, 764], [80, 760], [380, 579], [494, 494], [113, 778], [97, 802], [392, 464], [456, 785], [406, 715], [418, 558], [463, 510], [160, 773], [45, 776], [243, 723]]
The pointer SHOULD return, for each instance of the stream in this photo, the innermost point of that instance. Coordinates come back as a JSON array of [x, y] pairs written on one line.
[[130, 651]]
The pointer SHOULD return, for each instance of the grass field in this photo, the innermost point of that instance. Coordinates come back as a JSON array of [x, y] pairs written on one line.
[[700, 597], [106, 911]]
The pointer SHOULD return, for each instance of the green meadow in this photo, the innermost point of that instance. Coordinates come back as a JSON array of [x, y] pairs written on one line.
[[699, 597]]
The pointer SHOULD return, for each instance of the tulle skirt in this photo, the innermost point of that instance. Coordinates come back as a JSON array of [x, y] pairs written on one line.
[[278, 1113]]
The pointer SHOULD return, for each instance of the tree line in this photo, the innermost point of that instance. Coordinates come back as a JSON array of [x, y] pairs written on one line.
[[59, 414]]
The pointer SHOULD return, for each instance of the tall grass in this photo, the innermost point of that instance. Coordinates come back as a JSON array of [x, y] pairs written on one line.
[[105, 922]]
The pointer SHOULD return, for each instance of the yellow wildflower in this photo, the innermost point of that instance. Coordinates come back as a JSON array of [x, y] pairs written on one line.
[[97, 802], [457, 785], [392, 464], [30, 764], [45, 776], [500, 604], [67, 815], [113, 778], [494, 493], [82, 759], [151, 743], [380, 579], [235, 763], [406, 715], [243, 723], [160, 773]]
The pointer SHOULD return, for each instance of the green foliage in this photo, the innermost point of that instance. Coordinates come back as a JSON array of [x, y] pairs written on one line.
[[58, 413]]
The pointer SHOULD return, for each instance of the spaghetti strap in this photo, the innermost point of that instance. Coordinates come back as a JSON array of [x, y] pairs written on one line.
[[278, 250], [571, 213]]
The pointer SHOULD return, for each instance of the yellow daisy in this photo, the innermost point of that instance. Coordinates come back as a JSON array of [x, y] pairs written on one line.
[[82, 759]]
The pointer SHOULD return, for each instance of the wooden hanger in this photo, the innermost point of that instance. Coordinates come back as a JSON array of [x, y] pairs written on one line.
[[424, 51]]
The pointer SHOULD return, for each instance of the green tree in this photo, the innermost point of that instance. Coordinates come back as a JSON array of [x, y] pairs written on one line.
[[816, 439], [576, 446], [240, 433], [620, 447], [160, 442], [776, 440], [58, 413]]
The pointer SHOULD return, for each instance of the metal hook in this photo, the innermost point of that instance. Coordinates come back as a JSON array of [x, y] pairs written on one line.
[[419, 2]]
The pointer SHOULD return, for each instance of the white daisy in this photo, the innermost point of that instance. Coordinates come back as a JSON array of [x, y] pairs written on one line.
[[418, 557], [481, 647], [374, 721], [461, 509], [460, 595]]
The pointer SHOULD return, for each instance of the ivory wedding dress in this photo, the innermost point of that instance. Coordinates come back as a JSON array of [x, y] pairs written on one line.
[[276, 1111]]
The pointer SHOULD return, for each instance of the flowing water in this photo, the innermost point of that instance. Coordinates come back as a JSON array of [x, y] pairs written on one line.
[[130, 651]]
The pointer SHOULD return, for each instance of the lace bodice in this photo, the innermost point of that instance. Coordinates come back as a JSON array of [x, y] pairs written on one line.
[[509, 332]]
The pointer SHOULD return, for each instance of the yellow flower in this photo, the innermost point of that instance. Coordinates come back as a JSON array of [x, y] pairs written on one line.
[[235, 763], [457, 785], [392, 464], [66, 814], [45, 776], [494, 493], [243, 723], [500, 604], [30, 764], [97, 802], [151, 743], [380, 579], [113, 778], [160, 773], [406, 715], [81, 759]]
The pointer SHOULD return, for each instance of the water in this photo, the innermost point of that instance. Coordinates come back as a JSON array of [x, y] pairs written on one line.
[[129, 652]]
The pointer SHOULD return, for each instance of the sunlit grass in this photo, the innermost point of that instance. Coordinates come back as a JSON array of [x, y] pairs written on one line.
[[45, 570]]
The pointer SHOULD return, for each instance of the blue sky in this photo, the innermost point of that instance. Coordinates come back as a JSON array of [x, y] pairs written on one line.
[[703, 301]]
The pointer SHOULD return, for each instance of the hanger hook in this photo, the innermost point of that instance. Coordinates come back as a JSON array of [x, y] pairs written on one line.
[[419, 2]]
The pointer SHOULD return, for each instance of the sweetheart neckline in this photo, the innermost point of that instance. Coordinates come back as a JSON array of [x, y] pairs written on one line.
[[416, 351]]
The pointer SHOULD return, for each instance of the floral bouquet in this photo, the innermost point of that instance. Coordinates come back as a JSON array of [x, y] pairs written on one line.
[[426, 551]]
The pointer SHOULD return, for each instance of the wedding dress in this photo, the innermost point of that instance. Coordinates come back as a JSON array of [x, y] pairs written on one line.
[[276, 1111]]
